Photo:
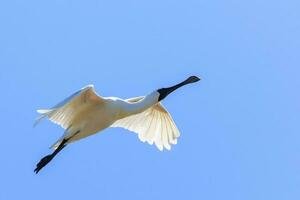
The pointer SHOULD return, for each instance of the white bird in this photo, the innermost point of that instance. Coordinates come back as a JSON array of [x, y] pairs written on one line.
[[85, 113]]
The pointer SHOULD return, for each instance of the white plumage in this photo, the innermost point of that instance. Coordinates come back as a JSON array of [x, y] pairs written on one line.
[[154, 125], [85, 113], [89, 113]]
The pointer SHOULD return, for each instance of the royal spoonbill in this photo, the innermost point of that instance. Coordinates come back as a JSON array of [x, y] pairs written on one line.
[[85, 113]]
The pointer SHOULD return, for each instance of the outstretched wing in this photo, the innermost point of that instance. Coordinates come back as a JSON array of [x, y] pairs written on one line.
[[154, 125], [62, 113]]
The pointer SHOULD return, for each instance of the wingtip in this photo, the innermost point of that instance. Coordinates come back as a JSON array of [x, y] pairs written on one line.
[[88, 86], [34, 124], [38, 120], [43, 111], [40, 111]]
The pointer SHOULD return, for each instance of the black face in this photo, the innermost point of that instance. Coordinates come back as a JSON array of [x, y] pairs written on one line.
[[163, 92]]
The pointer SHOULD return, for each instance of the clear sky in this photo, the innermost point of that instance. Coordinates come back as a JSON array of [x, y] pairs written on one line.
[[239, 126]]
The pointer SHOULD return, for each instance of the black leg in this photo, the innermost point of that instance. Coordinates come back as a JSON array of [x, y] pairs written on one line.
[[44, 161]]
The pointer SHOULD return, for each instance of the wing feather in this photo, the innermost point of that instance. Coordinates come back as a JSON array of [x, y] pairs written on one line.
[[154, 125], [63, 112]]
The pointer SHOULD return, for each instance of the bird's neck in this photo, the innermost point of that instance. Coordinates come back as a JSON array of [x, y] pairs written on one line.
[[142, 105]]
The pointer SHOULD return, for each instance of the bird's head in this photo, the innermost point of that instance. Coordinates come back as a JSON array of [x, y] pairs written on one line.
[[163, 92]]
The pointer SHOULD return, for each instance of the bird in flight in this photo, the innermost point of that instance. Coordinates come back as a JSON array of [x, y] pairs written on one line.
[[85, 113]]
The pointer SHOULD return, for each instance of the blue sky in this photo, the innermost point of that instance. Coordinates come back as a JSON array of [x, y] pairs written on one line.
[[239, 126]]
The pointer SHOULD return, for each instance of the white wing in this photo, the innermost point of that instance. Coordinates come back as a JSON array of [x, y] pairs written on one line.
[[62, 113], [154, 125]]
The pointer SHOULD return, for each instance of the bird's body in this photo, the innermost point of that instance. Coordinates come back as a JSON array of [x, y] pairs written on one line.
[[90, 118], [85, 113]]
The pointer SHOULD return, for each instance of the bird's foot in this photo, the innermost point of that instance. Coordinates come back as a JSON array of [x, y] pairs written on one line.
[[43, 162]]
